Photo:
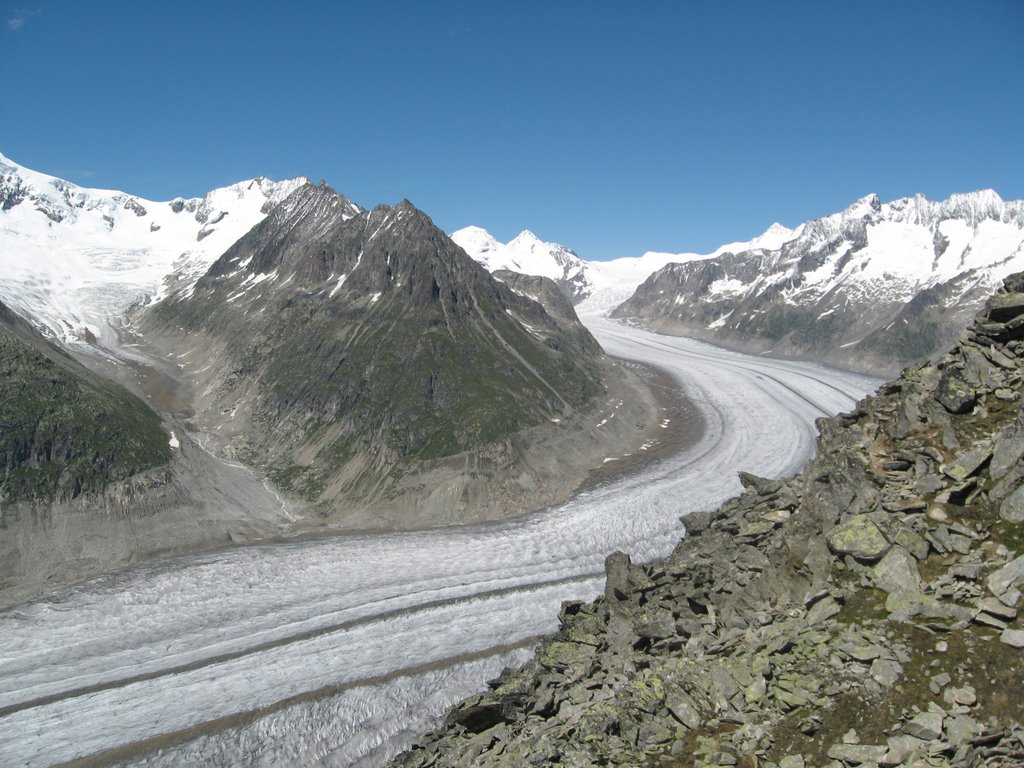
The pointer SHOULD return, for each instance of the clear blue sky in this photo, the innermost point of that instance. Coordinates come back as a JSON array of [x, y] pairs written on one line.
[[613, 128]]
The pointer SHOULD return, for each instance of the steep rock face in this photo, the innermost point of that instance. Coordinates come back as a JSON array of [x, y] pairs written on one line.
[[340, 348], [63, 430], [550, 297], [865, 612], [874, 288]]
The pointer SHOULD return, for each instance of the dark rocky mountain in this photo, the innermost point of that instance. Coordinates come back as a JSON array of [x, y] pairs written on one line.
[[341, 350], [866, 612], [873, 288], [64, 431]]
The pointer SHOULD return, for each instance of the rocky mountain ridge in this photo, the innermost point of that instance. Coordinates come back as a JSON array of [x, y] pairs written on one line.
[[872, 288], [864, 613]]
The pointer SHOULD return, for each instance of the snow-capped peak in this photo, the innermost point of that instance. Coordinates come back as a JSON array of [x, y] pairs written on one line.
[[526, 240], [475, 240], [773, 237], [72, 258], [863, 207]]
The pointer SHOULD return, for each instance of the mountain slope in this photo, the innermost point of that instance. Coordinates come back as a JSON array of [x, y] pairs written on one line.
[[874, 287], [63, 430], [340, 349]]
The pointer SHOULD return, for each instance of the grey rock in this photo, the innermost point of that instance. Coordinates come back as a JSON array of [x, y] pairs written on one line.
[[655, 624], [954, 393], [886, 672], [968, 571], [965, 696], [928, 485], [961, 729], [1010, 597], [696, 522], [683, 709], [856, 754], [1012, 508], [1013, 637], [1008, 450], [1010, 575], [896, 571], [914, 544], [792, 761], [926, 726], [990, 621], [755, 691], [858, 537], [617, 582], [908, 605], [968, 463], [997, 608], [822, 610], [938, 682], [900, 749]]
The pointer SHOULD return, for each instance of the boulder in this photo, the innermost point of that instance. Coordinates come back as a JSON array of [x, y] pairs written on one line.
[[1010, 575], [954, 393], [1013, 637], [1012, 508], [926, 726], [858, 537], [1008, 450], [683, 709], [896, 571], [968, 463]]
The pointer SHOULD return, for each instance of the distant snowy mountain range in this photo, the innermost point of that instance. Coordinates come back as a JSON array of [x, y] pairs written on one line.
[[593, 286], [875, 287]]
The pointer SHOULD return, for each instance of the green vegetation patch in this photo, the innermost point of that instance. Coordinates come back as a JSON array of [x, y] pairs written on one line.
[[63, 431]]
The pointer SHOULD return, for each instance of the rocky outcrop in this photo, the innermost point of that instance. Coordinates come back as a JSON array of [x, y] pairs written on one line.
[[865, 612]]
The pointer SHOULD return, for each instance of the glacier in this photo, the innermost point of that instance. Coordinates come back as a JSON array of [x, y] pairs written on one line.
[[336, 651]]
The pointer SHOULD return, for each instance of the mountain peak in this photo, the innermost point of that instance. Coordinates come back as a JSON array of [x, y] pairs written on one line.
[[525, 238], [863, 206]]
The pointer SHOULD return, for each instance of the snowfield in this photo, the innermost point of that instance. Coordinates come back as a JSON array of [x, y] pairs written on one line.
[[72, 258]]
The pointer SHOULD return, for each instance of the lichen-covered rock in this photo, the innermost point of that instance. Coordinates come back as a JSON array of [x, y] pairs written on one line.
[[858, 537]]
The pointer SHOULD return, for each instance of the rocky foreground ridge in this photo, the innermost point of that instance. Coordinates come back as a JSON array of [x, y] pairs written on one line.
[[863, 613]]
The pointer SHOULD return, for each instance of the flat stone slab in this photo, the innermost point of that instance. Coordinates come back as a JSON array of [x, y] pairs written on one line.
[[1013, 637], [967, 463], [1006, 577], [926, 726]]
